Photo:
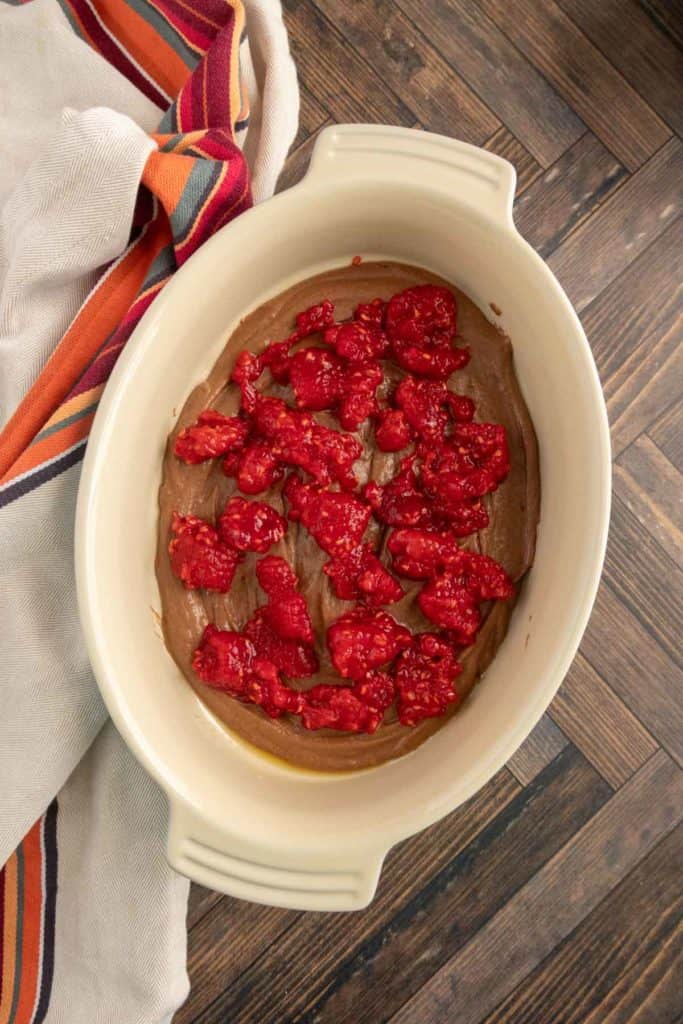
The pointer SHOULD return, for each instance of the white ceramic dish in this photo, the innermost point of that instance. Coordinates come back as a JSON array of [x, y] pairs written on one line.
[[239, 822]]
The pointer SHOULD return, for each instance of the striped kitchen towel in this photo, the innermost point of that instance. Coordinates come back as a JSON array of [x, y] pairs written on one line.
[[130, 131]]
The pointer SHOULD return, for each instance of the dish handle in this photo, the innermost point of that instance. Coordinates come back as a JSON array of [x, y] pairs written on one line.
[[223, 861], [360, 151]]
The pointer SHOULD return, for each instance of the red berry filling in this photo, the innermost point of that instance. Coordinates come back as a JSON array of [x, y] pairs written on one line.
[[199, 557], [433, 498], [212, 435], [358, 575]]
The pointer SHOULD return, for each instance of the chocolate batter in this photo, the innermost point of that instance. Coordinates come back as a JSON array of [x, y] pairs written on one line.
[[203, 490]]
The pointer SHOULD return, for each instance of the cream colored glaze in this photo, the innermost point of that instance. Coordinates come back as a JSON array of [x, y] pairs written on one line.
[[202, 490]]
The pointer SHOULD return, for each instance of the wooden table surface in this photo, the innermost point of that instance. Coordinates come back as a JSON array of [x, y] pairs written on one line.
[[552, 895]]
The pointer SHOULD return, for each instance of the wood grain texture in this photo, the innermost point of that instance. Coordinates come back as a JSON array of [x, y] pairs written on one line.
[[538, 750], [412, 67], [667, 433], [606, 732], [610, 107], [652, 489], [632, 42], [566, 195], [551, 896], [622, 227], [633, 929], [511, 86], [555, 900]]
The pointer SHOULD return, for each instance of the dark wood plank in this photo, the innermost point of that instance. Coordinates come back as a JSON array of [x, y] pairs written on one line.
[[285, 977], [632, 931], [554, 901], [667, 434], [538, 750], [610, 107], [636, 309], [367, 987], [644, 55], [503, 143], [645, 389], [645, 579], [223, 945], [499, 74], [667, 16], [312, 116], [601, 248], [297, 162], [566, 195], [380, 32], [200, 902], [627, 657], [339, 79], [651, 488], [606, 732]]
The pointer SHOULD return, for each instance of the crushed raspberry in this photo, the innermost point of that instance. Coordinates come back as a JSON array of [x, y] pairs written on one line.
[[449, 604], [257, 469], [246, 371], [393, 432], [224, 659], [362, 640], [337, 520], [286, 611], [461, 407], [434, 498], [315, 375], [430, 306], [315, 318], [423, 403], [471, 463], [358, 398], [251, 525], [359, 575], [276, 358], [296, 659], [199, 557], [357, 342], [425, 679], [298, 440], [400, 502], [421, 554], [210, 436], [462, 517], [370, 313]]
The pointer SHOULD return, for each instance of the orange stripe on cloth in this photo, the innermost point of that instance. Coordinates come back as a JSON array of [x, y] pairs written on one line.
[[9, 939], [166, 175], [49, 447], [144, 44], [100, 315], [75, 405], [32, 921], [235, 76]]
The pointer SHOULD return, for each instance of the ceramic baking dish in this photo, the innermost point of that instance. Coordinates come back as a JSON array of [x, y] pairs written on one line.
[[240, 822]]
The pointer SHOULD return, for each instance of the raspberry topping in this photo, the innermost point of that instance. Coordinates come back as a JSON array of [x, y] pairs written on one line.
[[250, 525], [316, 378], [356, 341], [199, 557], [336, 519], [314, 319], [286, 612], [361, 640], [425, 679], [471, 463], [433, 498], [358, 575], [393, 432], [212, 435]]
